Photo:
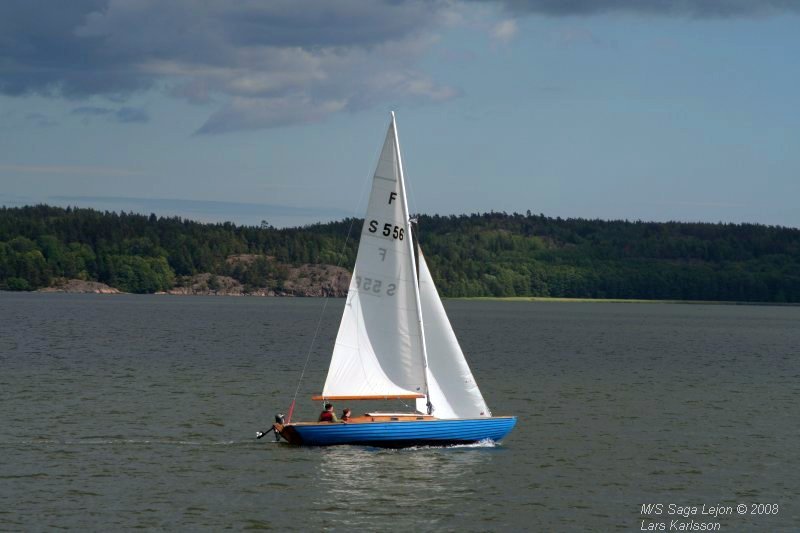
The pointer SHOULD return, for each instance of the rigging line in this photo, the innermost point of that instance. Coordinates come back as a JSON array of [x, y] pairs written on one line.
[[413, 199], [414, 218], [338, 264]]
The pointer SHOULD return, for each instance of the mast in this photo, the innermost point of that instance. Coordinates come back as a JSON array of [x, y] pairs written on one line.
[[412, 255]]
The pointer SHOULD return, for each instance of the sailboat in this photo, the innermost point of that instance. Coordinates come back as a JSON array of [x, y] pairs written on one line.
[[395, 341]]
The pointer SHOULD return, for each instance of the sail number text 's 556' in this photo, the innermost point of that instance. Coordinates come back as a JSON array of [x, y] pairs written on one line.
[[389, 230]]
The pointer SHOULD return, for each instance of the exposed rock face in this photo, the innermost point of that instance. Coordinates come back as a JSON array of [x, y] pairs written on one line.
[[304, 280], [317, 280], [80, 286], [206, 283]]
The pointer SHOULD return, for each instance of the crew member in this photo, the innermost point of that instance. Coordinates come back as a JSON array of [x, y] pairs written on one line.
[[328, 415]]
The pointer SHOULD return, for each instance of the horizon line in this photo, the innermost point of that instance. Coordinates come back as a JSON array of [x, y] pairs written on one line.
[[343, 218]]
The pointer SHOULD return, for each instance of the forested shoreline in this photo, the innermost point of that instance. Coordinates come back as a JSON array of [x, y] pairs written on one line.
[[488, 254]]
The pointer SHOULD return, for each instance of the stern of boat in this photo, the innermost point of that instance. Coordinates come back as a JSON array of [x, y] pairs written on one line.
[[288, 433]]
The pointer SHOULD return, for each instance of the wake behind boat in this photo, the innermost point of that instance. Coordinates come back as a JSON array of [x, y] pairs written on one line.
[[395, 341]]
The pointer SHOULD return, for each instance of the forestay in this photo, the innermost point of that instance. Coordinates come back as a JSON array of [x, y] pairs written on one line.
[[378, 349], [453, 389]]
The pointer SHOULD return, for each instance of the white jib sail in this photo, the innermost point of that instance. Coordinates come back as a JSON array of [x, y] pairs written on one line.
[[378, 349], [453, 390]]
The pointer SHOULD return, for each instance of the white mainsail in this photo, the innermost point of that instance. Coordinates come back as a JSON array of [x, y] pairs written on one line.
[[382, 348], [453, 390], [378, 349]]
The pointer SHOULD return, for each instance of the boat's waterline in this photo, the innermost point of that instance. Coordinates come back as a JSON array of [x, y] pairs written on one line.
[[399, 434]]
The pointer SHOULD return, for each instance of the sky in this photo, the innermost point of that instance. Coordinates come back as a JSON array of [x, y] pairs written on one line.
[[276, 110]]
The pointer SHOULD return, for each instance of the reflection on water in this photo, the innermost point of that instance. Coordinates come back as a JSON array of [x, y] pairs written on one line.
[[399, 484]]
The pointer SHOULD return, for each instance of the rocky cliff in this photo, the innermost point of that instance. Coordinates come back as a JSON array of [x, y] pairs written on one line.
[[304, 280]]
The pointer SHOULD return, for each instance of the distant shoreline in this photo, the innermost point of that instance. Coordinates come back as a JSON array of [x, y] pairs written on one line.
[[507, 299], [619, 301], [491, 254]]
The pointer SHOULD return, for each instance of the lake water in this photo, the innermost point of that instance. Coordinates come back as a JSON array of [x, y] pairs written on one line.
[[141, 411]]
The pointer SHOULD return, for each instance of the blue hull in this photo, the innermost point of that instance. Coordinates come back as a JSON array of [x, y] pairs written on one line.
[[401, 434]]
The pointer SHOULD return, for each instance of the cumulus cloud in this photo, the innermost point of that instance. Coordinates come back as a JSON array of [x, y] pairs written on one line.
[[264, 64]]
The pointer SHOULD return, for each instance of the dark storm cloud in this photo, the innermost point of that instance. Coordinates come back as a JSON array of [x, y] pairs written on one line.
[[41, 53], [323, 23], [267, 63], [263, 63], [690, 8]]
